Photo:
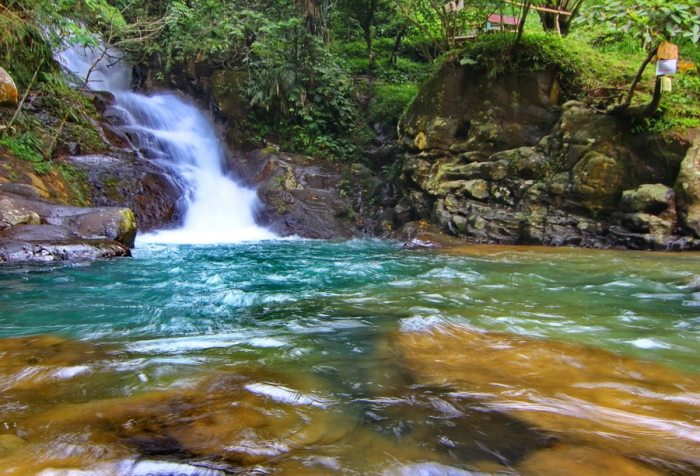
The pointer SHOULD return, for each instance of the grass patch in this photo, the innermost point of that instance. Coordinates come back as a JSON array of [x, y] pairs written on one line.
[[587, 61], [77, 179], [28, 147], [679, 110], [389, 102], [580, 66]]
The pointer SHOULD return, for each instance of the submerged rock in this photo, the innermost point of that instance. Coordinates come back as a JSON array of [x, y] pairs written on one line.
[[616, 405], [571, 460], [424, 235]]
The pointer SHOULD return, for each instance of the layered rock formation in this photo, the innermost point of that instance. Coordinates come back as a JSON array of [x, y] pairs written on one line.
[[32, 229], [498, 160], [310, 197]]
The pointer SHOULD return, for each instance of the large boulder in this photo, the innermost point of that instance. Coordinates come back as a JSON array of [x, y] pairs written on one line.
[[645, 158], [495, 160], [118, 224], [123, 181], [462, 110], [300, 195], [597, 181], [37, 230], [8, 90], [316, 198], [688, 189], [14, 213], [105, 223], [651, 198]]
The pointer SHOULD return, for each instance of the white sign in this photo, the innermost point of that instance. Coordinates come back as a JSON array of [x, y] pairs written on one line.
[[664, 67]]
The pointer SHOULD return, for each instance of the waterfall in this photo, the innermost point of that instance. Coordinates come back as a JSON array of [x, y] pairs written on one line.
[[176, 135]]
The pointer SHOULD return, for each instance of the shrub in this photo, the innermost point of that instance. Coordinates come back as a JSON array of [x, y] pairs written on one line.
[[299, 93], [389, 102]]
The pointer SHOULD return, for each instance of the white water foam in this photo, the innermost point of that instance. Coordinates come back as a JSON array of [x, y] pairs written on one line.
[[282, 394], [176, 135]]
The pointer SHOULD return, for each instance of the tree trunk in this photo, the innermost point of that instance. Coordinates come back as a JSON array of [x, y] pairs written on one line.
[[630, 93], [523, 17], [368, 40], [555, 22], [653, 106], [397, 46]]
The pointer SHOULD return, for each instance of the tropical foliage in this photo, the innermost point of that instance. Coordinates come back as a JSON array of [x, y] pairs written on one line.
[[322, 73]]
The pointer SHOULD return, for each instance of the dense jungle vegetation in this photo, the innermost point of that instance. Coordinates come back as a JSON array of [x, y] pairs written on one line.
[[325, 77]]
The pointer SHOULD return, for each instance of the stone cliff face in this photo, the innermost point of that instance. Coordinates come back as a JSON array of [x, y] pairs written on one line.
[[498, 160]]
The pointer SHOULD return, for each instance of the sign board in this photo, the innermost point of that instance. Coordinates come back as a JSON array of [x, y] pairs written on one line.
[[667, 51], [666, 84], [664, 67]]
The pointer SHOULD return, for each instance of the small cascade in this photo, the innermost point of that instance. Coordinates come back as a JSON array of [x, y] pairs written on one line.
[[176, 135]]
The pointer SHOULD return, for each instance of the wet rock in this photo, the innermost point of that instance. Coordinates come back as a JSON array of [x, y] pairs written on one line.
[[308, 197], [569, 460], [52, 251], [687, 188], [424, 235], [123, 181], [554, 389], [8, 90]]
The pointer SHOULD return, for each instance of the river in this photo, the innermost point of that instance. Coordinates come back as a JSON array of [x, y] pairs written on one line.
[[357, 357]]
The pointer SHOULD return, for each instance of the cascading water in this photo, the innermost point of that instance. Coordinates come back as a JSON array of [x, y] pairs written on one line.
[[180, 138]]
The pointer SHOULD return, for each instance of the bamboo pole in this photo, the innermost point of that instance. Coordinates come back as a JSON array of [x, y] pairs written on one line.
[[540, 9]]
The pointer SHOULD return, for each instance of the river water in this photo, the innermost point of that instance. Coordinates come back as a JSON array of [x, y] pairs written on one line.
[[266, 356], [359, 357]]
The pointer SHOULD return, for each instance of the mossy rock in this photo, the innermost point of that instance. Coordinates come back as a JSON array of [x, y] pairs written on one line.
[[687, 188], [8, 90], [597, 180], [648, 198], [460, 105]]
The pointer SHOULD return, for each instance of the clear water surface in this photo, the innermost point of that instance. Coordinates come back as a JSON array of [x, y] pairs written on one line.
[[360, 357]]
